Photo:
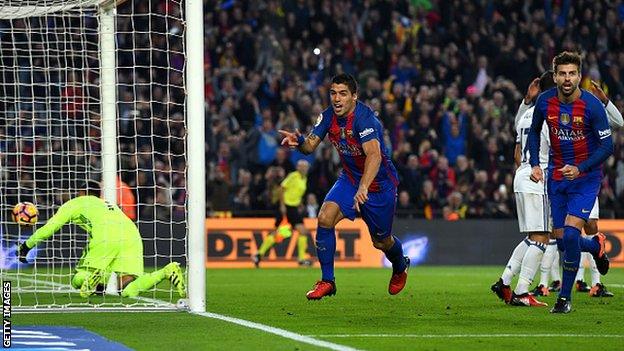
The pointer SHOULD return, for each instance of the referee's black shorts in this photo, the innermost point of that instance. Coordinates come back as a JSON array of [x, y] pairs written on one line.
[[292, 214]]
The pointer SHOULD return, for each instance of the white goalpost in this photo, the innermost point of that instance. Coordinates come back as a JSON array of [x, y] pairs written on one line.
[[111, 91]]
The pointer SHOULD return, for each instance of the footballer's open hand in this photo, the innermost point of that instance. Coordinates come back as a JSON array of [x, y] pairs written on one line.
[[290, 139]]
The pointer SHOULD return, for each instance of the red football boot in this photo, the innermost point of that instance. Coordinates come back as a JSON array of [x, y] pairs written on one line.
[[322, 288], [602, 261], [526, 300], [502, 291], [398, 280]]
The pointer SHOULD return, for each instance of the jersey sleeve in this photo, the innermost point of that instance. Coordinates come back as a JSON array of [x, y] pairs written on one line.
[[366, 126], [62, 216], [522, 109], [322, 124], [602, 131], [545, 133], [614, 115], [535, 132]]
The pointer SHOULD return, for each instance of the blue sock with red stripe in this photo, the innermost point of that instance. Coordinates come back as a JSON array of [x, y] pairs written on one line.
[[571, 259], [325, 251], [395, 256]]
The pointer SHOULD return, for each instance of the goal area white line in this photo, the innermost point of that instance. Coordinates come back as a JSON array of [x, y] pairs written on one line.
[[460, 336], [163, 306]]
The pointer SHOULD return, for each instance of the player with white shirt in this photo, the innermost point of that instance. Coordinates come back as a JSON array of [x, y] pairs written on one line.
[[532, 205], [551, 257]]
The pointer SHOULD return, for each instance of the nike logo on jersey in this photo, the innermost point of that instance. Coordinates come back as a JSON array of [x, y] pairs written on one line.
[[584, 211]]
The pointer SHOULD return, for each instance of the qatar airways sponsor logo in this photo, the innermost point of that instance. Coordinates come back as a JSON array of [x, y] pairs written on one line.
[[348, 149], [567, 134]]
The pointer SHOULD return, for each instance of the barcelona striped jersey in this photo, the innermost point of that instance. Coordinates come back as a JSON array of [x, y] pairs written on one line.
[[347, 134], [579, 133]]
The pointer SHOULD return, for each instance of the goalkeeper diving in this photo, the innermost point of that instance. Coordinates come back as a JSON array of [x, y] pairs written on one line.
[[114, 245]]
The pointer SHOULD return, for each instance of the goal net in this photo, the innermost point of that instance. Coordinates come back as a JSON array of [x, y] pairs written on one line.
[[65, 65]]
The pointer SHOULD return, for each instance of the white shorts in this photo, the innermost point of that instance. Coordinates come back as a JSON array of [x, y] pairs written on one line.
[[533, 212], [595, 212]]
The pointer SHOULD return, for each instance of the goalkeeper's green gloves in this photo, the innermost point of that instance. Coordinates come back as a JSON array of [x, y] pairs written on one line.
[[22, 251]]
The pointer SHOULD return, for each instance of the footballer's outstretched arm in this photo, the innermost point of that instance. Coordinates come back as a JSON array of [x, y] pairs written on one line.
[[62, 216], [306, 145], [310, 144]]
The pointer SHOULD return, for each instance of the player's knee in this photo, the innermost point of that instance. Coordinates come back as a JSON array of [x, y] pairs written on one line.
[[383, 244], [79, 278], [326, 219]]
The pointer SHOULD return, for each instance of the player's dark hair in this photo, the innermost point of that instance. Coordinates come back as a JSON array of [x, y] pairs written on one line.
[[566, 58], [90, 187], [546, 80], [346, 79]]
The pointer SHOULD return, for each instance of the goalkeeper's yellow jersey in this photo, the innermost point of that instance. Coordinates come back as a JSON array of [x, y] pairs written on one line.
[[94, 215]]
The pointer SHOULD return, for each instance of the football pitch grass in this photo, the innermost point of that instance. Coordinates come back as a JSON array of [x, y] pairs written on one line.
[[442, 308]]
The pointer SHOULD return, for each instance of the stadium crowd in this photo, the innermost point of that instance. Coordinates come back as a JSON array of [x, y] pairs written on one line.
[[445, 76]]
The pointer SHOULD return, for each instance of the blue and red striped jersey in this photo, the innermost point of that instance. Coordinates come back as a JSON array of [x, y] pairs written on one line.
[[579, 133], [347, 134]]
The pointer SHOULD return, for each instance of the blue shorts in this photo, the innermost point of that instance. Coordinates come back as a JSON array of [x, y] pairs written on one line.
[[572, 197], [377, 212]]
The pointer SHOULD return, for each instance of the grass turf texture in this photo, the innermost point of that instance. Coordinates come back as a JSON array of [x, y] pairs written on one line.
[[438, 301]]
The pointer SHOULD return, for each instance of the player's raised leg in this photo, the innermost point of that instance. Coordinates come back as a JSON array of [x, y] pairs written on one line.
[[378, 212], [591, 228]]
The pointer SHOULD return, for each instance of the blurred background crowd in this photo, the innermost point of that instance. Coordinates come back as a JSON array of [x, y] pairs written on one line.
[[446, 78]]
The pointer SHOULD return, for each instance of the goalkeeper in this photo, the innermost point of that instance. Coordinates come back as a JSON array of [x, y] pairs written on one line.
[[114, 245]]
